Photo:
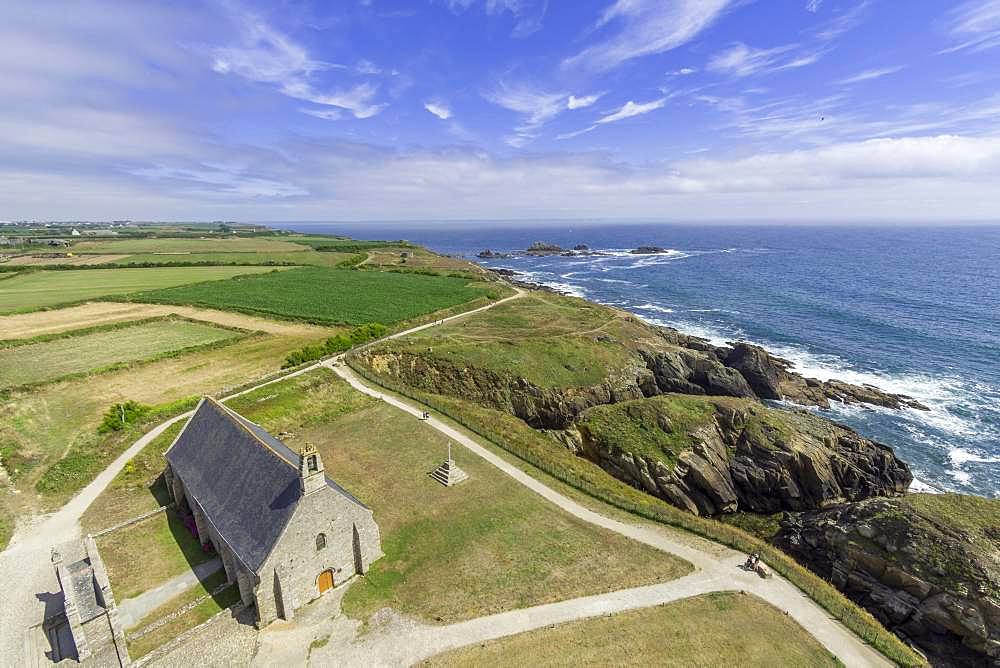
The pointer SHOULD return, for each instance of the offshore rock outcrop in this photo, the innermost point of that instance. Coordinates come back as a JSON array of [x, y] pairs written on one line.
[[736, 455], [928, 566]]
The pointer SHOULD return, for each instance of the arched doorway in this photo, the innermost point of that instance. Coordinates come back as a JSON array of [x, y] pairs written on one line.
[[325, 581]]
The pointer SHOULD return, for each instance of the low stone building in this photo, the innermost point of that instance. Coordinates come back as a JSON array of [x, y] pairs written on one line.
[[87, 628], [285, 532]]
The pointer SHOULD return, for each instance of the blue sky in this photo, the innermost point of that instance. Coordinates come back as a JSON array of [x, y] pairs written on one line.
[[785, 110]]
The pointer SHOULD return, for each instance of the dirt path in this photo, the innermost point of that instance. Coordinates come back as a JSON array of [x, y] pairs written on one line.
[[714, 573], [25, 568]]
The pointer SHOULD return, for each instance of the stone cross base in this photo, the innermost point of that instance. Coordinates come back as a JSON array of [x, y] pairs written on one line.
[[449, 474]]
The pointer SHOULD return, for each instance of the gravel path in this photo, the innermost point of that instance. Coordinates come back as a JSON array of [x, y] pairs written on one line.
[[132, 610], [714, 573]]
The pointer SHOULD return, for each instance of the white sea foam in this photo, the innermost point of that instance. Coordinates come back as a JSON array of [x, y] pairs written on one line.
[[919, 485], [960, 456], [654, 307], [960, 476]]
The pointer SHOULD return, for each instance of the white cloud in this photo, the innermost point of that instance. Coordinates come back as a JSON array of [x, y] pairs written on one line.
[[868, 75], [741, 60], [906, 158], [643, 27], [813, 5], [268, 56], [682, 72], [222, 179], [575, 102], [536, 106], [975, 25], [438, 108], [630, 109]]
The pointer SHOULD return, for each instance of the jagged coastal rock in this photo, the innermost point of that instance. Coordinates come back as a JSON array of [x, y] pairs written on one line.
[[927, 565], [490, 255], [647, 250], [542, 248], [712, 455]]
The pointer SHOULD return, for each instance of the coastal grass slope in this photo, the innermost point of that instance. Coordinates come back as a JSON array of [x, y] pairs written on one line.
[[545, 454]]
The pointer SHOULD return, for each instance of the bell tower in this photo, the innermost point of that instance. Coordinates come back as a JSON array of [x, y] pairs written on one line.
[[311, 476]]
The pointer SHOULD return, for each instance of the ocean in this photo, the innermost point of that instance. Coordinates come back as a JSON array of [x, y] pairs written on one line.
[[911, 310]]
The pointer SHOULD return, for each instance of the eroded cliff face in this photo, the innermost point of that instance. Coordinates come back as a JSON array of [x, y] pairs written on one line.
[[736, 455], [670, 363], [928, 566], [542, 408]]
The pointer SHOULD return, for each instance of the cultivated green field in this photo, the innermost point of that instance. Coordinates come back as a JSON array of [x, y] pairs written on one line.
[[173, 245], [80, 353], [334, 296], [33, 290], [304, 257], [718, 629]]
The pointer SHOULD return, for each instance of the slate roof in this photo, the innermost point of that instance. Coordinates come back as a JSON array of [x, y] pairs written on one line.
[[245, 480]]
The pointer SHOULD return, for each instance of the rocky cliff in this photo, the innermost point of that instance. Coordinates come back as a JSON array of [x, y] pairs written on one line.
[[713, 456], [928, 566]]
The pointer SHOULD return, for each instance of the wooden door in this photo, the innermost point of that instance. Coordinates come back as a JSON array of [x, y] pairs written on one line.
[[325, 581]]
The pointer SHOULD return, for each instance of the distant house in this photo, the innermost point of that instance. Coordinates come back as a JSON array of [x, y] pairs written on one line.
[[286, 533]]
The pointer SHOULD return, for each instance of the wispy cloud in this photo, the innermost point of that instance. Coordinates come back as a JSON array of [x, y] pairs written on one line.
[[868, 75], [268, 56], [813, 5], [741, 60], [325, 114], [529, 15], [682, 72], [636, 28], [536, 106], [843, 22], [575, 102], [438, 108], [630, 109], [975, 25]]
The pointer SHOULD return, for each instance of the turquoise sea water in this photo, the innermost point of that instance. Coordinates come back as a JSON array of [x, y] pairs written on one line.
[[914, 310]]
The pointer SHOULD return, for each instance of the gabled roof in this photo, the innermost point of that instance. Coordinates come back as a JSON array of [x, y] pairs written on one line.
[[245, 480]]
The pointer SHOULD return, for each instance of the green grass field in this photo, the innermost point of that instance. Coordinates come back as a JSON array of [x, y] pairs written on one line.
[[484, 546], [81, 353], [191, 245], [33, 290], [718, 629], [550, 340], [326, 295]]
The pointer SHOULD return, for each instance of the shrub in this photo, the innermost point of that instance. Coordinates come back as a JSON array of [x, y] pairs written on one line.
[[336, 344], [122, 415]]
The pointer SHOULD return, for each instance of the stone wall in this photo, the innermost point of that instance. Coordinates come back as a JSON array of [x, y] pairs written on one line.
[[289, 577]]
